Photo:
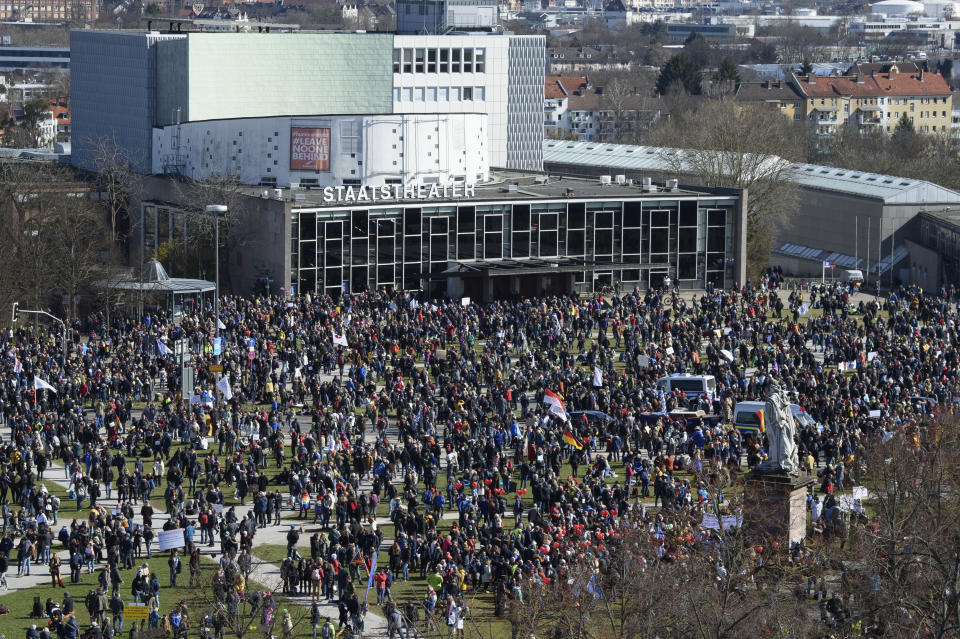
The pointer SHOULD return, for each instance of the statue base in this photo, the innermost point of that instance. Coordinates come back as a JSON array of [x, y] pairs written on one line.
[[775, 507]]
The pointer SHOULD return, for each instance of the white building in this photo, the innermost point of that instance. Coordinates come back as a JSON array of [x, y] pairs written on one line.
[[897, 8], [501, 76], [136, 87], [372, 150]]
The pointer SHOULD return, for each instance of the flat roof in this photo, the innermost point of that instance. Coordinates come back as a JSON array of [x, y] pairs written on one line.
[[889, 188], [503, 186]]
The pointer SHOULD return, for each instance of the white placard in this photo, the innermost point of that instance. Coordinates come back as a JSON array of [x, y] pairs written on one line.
[[171, 539], [643, 361], [875, 413], [464, 301], [859, 492], [669, 350]]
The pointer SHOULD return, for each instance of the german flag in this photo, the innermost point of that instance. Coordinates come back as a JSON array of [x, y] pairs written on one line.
[[571, 439]]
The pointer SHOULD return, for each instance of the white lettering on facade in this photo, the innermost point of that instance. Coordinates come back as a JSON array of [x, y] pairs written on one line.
[[335, 194]]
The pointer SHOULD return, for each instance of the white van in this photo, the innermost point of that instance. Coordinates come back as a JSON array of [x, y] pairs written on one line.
[[690, 385], [853, 276], [748, 417]]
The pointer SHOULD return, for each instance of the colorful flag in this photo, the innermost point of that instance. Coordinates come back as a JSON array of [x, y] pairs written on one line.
[[571, 439], [340, 339], [17, 365], [163, 349], [555, 403]]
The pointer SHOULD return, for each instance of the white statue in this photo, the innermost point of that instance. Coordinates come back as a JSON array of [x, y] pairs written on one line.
[[780, 429]]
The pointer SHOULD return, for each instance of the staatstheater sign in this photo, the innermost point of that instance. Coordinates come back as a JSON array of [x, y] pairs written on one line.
[[395, 192]]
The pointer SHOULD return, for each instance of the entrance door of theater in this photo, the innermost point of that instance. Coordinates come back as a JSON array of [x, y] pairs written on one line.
[[534, 285]]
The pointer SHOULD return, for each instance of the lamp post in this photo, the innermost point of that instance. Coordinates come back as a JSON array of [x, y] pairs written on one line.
[[216, 210]]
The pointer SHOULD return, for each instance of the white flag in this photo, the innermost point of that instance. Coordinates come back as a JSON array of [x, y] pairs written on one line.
[[224, 387], [727, 354], [597, 377], [340, 339], [163, 349], [39, 384], [221, 325]]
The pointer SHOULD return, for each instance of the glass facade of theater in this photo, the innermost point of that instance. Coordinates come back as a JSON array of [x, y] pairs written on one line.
[[407, 247]]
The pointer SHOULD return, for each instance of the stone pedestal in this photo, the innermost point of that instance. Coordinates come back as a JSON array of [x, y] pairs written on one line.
[[775, 507]]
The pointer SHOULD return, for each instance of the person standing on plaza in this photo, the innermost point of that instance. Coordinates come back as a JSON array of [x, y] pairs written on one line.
[[175, 567]]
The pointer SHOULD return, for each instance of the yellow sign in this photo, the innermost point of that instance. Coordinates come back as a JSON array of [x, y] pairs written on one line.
[[216, 368], [135, 612]]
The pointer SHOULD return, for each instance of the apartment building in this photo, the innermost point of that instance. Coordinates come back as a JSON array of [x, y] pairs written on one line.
[[865, 102], [51, 10], [876, 101]]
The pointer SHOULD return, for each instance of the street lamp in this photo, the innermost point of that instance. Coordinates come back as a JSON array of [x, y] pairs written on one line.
[[216, 210]]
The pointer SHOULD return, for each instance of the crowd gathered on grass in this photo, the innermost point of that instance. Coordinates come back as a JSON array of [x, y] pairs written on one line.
[[472, 448]]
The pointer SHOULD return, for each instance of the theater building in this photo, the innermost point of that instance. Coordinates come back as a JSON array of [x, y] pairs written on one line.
[[517, 234]]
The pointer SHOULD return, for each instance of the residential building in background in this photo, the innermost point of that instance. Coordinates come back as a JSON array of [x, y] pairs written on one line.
[[873, 100], [877, 101], [78, 11], [557, 94]]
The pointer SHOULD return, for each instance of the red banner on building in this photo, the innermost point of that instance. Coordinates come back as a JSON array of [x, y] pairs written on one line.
[[309, 149]]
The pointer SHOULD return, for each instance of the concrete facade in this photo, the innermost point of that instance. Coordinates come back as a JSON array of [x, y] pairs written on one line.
[[502, 76], [438, 148]]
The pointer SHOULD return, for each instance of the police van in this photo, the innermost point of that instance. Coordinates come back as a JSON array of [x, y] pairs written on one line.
[[748, 418], [693, 386]]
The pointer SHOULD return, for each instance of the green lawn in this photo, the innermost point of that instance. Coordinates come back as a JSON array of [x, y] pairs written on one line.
[[14, 625]]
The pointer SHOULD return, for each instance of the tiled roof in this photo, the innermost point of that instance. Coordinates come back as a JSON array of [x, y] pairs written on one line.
[[564, 86], [875, 85]]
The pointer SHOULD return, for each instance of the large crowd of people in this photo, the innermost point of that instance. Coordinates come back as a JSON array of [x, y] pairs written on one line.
[[501, 441]]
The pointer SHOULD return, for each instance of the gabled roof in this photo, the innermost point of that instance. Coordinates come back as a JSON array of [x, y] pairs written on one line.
[[874, 86], [772, 90], [868, 68], [564, 86]]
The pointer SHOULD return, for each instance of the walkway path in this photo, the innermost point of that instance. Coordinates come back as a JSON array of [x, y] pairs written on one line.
[[264, 573]]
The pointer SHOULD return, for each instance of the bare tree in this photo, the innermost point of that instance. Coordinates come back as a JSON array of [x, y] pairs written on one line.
[[729, 144], [910, 558], [117, 178]]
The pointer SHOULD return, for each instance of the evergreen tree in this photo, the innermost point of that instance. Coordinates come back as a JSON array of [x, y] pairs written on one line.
[[728, 72], [683, 71]]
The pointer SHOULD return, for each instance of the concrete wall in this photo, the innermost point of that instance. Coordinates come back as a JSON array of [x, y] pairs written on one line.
[[422, 148], [923, 267]]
